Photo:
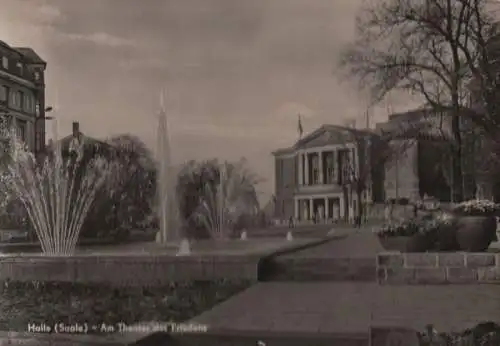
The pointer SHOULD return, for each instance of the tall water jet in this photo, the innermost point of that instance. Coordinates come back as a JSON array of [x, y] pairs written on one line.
[[167, 203]]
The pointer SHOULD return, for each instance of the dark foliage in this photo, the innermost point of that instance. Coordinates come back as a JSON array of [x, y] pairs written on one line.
[[71, 303], [127, 199]]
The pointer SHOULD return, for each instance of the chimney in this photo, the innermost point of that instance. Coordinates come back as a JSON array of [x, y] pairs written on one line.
[[76, 128]]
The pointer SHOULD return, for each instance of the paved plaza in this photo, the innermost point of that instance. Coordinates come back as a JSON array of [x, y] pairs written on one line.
[[351, 308]]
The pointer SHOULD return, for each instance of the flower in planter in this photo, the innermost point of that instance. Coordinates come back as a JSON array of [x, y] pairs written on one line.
[[483, 334], [402, 228], [477, 206]]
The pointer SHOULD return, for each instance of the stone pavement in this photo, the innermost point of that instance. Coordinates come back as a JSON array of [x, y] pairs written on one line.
[[346, 308], [354, 243]]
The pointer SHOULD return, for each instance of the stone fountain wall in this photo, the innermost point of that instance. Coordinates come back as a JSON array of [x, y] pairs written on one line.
[[438, 268], [128, 270]]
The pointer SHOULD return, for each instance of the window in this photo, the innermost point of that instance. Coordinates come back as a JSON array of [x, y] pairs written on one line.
[[344, 166], [5, 62], [315, 169], [20, 67], [330, 171], [28, 103], [4, 93], [21, 130], [37, 75], [16, 99], [37, 109]]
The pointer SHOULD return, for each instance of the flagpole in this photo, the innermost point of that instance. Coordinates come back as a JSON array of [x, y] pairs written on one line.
[[300, 128]]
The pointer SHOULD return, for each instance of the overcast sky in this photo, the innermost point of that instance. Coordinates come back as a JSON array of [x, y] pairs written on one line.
[[236, 72]]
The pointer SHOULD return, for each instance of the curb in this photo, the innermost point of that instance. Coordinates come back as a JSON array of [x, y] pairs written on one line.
[[265, 262], [243, 338], [42, 339]]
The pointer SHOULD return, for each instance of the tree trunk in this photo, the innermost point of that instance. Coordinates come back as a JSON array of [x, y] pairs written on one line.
[[359, 216], [456, 156]]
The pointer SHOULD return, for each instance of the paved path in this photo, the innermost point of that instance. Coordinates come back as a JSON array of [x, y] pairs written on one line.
[[354, 244], [340, 308]]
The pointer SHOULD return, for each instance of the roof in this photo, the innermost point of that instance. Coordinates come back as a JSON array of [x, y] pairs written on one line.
[[87, 141], [30, 54], [330, 133]]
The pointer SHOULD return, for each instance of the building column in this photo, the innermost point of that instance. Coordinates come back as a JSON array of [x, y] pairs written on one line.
[[306, 163], [341, 207], [320, 166], [335, 166], [300, 167], [297, 216], [311, 209], [327, 209]]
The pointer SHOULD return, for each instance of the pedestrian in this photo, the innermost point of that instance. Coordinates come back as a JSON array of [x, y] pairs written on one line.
[[290, 222], [387, 212]]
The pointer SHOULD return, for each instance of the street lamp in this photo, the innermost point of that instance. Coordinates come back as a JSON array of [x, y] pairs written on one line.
[[38, 144]]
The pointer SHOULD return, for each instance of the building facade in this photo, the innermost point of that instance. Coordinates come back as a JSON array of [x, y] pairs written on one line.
[[314, 178], [22, 94], [421, 161]]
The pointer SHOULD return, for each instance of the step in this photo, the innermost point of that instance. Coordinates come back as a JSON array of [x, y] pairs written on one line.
[[321, 269]]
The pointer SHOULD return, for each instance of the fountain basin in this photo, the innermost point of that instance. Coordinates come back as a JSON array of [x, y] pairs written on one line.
[[149, 263]]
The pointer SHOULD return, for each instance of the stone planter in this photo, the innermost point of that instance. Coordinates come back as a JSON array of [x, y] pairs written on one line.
[[415, 243], [446, 238], [475, 233]]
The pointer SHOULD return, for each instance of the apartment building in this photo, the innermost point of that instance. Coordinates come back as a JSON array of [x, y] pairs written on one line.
[[22, 93]]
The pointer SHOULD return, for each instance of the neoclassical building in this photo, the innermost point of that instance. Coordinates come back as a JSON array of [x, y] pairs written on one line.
[[313, 176]]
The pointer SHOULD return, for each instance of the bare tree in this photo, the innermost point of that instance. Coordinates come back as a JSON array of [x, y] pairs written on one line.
[[434, 49], [376, 152]]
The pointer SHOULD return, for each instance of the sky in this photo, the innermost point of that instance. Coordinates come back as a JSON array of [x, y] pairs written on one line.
[[235, 72]]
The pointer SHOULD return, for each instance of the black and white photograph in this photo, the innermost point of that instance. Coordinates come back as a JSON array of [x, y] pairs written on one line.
[[250, 172]]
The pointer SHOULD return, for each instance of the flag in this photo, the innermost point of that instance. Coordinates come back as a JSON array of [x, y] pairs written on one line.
[[300, 129]]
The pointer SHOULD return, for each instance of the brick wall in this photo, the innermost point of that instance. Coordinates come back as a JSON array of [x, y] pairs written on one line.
[[438, 268], [128, 270]]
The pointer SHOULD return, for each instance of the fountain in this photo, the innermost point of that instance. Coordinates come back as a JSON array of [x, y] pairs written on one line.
[[58, 194], [184, 248], [167, 205], [244, 235]]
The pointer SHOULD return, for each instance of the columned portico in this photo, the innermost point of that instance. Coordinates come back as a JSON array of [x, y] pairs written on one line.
[[320, 166], [319, 208]]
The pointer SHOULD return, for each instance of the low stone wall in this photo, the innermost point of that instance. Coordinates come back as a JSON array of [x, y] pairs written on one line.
[[438, 268], [128, 270]]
